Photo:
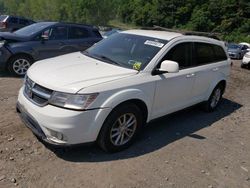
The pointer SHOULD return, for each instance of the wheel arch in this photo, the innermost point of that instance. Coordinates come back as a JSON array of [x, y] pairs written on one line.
[[19, 54], [222, 82]]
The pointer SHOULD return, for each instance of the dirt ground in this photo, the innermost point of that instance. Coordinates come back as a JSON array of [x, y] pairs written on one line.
[[190, 148]]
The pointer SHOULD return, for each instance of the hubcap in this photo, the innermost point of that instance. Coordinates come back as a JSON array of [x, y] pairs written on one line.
[[216, 98], [20, 66], [123, 129]]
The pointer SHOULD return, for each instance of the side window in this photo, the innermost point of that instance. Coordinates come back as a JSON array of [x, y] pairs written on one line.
[[78, 33], [204, 53], [23, 22], [13, 20], [57, 33], [181, 53], [220, 54]]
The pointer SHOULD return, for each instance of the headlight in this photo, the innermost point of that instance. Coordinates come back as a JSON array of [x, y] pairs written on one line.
[[72, 101]]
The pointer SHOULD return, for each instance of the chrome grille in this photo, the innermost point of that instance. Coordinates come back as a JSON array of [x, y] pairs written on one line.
[[36, 93]]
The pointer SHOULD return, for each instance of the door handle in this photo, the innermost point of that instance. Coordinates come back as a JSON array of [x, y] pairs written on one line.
[[215, 69], [190, 75]]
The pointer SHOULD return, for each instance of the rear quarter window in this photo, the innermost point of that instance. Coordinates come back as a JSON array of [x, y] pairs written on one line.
[[220, 54], [13, 20], [23, 21]]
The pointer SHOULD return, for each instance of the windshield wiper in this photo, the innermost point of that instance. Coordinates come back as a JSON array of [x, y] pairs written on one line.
[[104, 58]]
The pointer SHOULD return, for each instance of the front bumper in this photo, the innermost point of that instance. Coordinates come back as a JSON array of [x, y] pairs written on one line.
[[75, 127]]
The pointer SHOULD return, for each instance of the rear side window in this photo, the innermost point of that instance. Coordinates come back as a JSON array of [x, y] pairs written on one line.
[[208, 53], [78, 33], [181, 53], [23, 21], [204, 53], [13, 20]]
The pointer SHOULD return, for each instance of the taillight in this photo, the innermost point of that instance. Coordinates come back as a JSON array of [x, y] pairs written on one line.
[[3, 25]]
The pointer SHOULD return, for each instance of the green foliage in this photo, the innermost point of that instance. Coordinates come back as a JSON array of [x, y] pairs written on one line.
[[229, 17]]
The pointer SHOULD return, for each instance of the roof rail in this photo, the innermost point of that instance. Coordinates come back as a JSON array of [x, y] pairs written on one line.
[[184, 32]]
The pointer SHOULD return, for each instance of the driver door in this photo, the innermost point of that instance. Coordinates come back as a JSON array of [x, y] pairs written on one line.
[[54, 45], [174, 90]]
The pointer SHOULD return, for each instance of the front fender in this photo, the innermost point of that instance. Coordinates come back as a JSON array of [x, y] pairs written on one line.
[[126, 95]]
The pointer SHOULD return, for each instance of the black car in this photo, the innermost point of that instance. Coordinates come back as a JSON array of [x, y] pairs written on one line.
[[18, 50], [13, 23]]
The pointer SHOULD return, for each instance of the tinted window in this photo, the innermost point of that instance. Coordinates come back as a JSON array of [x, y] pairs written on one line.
[[220, 54], [181, 53], [204, 53], [59, 33], [23, 22], [13, 20], [78, 33]]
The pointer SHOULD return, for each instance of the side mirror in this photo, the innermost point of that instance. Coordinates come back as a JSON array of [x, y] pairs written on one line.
[[168, 66]]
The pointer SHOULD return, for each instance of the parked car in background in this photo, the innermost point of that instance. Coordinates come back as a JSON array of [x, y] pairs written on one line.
[[111, 32], [13, 23], [110, 91], [246, 61], [18, 50], [236, 51], [246, 44]]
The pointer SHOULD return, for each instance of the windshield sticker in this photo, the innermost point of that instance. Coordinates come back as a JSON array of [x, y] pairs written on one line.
[[154, 43]]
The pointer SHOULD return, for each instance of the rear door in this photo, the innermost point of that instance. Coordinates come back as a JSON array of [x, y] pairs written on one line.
[[209, 60]]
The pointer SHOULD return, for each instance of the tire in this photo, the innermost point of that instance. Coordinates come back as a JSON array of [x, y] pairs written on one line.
[[242, 65], [114, 129], [19, 64], [215, 98]]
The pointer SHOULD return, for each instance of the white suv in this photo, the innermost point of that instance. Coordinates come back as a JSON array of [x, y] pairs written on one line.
[[107, 93]]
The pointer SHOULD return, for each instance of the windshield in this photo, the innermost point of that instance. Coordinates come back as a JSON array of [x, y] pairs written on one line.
[[32, 29], [233, 46], [2, 18], [127, 50]]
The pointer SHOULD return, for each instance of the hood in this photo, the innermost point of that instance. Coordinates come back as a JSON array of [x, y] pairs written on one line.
[[73, 72], [12, 37]]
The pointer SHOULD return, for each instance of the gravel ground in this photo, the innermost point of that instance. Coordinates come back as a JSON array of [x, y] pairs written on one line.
[[190, 148]]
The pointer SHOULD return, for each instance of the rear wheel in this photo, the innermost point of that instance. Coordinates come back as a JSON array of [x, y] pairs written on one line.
[[215, 98], [120, 128], [18, 65]]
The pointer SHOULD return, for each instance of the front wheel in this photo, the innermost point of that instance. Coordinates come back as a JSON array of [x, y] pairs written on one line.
[[214, 100], [120, 128], [18, 65]]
